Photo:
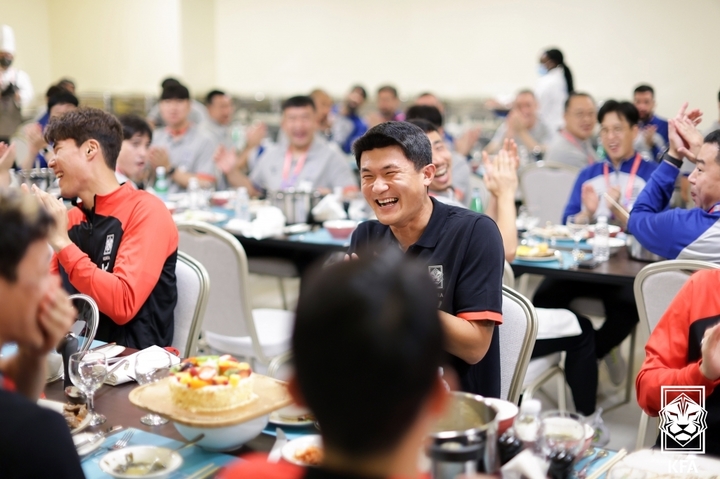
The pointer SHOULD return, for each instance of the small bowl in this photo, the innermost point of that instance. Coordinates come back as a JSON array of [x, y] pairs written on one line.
[[340, 229], [506, 413], [143, 454], [228, 438], [221, 198]]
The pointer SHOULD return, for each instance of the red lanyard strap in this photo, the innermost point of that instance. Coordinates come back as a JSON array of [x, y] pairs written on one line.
[[574, 141], [631, 180], [286, 181]]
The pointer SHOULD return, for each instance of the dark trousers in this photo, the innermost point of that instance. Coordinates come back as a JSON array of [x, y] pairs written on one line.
[[621, 314], [581, 372]]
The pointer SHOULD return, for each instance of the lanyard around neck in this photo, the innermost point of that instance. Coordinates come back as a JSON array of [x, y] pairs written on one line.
[[574, 141], [631, 180], [287, 180]]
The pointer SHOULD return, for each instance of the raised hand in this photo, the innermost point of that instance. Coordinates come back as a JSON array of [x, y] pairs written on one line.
[[225, 159], [254, 134], [590, 199], [7, 156], [55, 316], [465, 142], [692, 139], [58, 237], [159, 157]]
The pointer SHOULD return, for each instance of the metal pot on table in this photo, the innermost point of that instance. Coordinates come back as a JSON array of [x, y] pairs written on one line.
[[295, 204], [43, 178], [465, 438], [639, 252]]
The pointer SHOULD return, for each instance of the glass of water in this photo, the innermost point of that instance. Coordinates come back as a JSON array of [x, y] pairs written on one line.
[[151, 366], [561, 433], [577, 227], [88, 371]]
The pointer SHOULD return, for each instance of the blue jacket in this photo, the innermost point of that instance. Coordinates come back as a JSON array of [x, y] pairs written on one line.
[[673, 233], [593, 174]]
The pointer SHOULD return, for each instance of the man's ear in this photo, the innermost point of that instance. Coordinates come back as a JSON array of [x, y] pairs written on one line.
[[428, 172], [91, 149], [294, 390]]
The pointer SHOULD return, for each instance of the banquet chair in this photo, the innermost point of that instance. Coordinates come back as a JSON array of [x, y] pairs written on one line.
[[87, 311], [508, 276], [193, 287], [231, 325], [281, 366], [656, 285], [517, 339], [546, 187], [277, 267]]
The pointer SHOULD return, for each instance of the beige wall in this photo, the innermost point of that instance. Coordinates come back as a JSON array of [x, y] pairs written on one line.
[[458, 48]]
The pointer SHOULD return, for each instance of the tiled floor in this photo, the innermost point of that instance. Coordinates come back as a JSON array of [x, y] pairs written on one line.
[[622, 421]]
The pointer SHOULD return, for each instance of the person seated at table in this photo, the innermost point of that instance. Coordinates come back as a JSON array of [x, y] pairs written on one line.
[[457, 185], [684, 349], [523, 125], [622, 174], [323, 109], [306, 158], [464, 143], [462, 249], [182, 147], [220, 111], [119, 245], [198, 112], [132, 160], [38, 150], [573, 146], [652, 130], [388, 106], [35, 315], [371, 379], [681, 233], [348, 125]]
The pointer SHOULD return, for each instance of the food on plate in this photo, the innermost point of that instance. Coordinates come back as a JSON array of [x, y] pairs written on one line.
[[211, 383], [311, 455], [74, 414], [551, 231], [536, 251]]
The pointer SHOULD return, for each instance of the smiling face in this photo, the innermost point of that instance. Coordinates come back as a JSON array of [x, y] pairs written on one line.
[[299, 124], [392, 186], [174, 112], [132, 159], [617, 136], [70, 166], [442, 159], [580, 117], [705, 178]]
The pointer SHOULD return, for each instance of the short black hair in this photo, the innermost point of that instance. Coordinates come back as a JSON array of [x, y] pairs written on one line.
[[169, 81], [363, 92], [425, 112], [211, 96], [576, 94], [388, 88], [65, 81], [23, 222], [624, 109], [54, 90], [175, 91], [367, 376], [62, 98], [86, 124], [298, 101], [410, 138], [644, 88], [134, 125], [424, 125], [714, 138]]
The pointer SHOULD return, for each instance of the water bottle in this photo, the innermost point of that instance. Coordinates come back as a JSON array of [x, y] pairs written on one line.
[[193, 189], [242, 204], [161, 183], [527, 423], [601, 242], [476, 201]]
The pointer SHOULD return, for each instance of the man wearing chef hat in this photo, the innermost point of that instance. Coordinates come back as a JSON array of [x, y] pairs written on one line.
[[17, 91]]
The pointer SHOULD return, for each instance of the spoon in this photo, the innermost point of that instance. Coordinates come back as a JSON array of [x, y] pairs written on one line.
[[157, 465], [600, 455]]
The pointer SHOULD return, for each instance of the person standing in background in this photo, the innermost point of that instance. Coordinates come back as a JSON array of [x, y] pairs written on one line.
[[388, 107], [17, 91], [553, 87], [653, 130]]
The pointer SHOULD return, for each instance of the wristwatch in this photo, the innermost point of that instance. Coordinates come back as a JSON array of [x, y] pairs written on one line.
[[170, 172], [672, 160]]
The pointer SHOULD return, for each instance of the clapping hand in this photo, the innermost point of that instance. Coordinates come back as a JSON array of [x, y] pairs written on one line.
[[590, 199], [255, 134], [501, 173], [225, 159], [34, 135], [649, 135], [58, 237], [710, 349], [685, 138], [159, 157], [465, 142], [7, 156]]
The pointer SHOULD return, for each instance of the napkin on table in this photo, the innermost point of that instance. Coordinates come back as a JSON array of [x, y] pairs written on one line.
[[269, 221], [329, 208], [126, 372]]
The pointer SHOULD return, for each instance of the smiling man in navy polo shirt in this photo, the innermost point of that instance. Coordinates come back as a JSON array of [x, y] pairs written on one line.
[[463, 249]]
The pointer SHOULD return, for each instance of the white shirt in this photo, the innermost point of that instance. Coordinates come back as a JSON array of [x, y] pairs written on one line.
[[21, 80], [551, 93]]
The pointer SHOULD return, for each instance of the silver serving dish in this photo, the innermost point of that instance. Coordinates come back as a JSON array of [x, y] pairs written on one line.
[[639, 252], [43, 178], [295, 205]]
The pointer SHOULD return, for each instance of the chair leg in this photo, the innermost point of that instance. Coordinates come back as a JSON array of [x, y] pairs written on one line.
[[562, 400], [282, 292], [631, 367], [640, 441]]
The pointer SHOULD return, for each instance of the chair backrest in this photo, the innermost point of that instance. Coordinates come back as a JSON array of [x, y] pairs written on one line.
[[508, 276], [228, 311], [193, 286], [517, 340], [657, 284], [546, 188], [87, 311]]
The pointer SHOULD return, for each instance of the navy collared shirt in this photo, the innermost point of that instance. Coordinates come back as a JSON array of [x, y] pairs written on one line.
[[465, 257]]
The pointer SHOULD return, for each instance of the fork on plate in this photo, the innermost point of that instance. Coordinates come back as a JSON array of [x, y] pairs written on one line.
[[119, 444]]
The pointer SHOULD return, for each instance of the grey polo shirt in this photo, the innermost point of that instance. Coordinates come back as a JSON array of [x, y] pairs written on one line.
[[198, 113], [540, 133], [192, 152], [222, 134], [577, 153], [461, 178], [325, 167]]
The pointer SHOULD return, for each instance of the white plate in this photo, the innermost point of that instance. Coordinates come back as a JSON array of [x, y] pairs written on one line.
[[112, 351], [143, 454], [200, 215], [278, 420], [57, 406], [554, 231], [298, 445], [612, 242], [86, 449], [539, 259]]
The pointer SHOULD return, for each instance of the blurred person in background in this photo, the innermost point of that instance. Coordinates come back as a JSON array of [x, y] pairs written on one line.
[[653, 135], [132, 162], [573, 146], [388, 107], [348, 125], [7, 160], [552, 88], [323, 108], [220, 111], [465, 142], [524, 126], [198, 113], [183, 148], [16, 90], [39, 152]]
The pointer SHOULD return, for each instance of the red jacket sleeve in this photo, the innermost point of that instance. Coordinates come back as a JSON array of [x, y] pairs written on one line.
[[666, 353], [149, 237], [256, 466]]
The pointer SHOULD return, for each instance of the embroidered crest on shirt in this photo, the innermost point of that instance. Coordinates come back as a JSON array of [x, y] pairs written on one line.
[[436, 274], [109, 240]]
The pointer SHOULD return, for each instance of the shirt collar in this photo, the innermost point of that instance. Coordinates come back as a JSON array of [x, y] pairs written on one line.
[[626, 160], [435, 226]]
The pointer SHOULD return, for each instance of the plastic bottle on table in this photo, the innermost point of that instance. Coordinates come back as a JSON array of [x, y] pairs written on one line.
[[601, 241], [161, 183], [476, 201], [242, 204], [527, 423], [194, 193]]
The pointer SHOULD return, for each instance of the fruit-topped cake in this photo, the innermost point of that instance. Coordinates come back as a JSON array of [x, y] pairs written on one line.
[[211, 383]]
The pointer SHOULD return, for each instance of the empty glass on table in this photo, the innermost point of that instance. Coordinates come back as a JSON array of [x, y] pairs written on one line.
[[151, 366], [577, 227], [88, 371]]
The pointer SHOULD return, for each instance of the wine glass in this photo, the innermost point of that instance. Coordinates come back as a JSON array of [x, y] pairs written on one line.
[[88, 371], [151, 366], [562, 434], [577, 226]]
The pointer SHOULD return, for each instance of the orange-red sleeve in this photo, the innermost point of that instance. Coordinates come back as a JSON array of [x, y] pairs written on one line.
[[482, 315], [256, 466]]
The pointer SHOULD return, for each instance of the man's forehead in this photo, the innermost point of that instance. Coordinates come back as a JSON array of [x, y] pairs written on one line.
[[612, 118], [708, 152], [298, 110], [384, 157]]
